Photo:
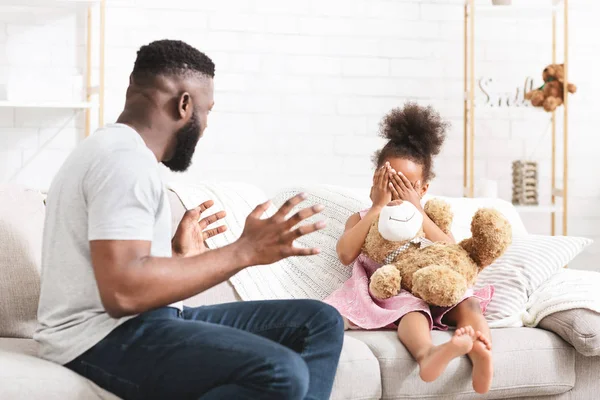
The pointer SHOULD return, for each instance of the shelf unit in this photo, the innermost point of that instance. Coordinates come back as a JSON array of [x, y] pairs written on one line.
[[33, 104], [91, 91], [525, 9]]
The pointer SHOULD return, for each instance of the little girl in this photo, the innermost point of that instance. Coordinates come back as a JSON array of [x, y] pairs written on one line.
[[404, 169]]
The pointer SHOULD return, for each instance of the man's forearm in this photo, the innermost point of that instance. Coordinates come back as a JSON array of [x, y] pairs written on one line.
[[154, 282]]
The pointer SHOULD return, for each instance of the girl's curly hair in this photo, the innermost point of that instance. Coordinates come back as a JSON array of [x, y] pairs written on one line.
[[413, 132]]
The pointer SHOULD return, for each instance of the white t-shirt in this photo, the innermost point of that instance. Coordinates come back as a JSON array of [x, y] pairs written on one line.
[[109, 188]]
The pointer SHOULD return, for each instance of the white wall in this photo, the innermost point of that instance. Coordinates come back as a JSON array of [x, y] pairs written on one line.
[[301, 86]]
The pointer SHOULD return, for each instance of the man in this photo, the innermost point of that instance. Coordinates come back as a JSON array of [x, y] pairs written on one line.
[[113, 280]]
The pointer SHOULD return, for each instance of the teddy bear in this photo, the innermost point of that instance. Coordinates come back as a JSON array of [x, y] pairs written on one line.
[[438, 273], [551, 94]]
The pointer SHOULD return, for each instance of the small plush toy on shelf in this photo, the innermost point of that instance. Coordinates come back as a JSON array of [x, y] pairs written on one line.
[[551, 94], [525, 183]]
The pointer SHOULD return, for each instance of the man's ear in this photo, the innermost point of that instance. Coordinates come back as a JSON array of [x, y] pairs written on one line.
[[185, 106]]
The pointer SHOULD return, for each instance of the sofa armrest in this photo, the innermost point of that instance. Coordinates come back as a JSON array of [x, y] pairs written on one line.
[[177, 210], [579, 327], [222, 293]]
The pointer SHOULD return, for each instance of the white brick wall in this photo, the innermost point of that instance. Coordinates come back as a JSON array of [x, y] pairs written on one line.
[[301, 86]]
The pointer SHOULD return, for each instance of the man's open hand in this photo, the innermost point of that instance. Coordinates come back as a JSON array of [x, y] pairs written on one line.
[[265, 241], [189, 239]]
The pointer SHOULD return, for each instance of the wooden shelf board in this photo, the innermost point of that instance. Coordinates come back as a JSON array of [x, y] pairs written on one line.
[[23, 5], [539, 209], [46, 104], [45, 3], [519, 9], [516, 5]]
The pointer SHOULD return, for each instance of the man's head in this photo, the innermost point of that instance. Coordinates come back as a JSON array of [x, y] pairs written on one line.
[[177, 80]]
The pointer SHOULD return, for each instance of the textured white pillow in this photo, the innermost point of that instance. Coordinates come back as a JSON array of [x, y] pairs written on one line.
[[297, 277], [527, 264], [238, 199]]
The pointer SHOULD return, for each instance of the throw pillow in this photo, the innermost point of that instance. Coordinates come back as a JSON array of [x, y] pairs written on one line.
[[528, 262], [297, 277], [568, 304], [21, 225], [306, 277]]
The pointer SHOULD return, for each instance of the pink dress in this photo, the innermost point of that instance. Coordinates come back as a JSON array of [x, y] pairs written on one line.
[[354, 301]]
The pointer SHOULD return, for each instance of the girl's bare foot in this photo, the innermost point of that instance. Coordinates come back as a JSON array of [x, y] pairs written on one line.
[[483, 369], [437, 359]]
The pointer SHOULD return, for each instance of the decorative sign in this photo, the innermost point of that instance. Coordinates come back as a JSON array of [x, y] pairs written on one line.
[[490, 96]]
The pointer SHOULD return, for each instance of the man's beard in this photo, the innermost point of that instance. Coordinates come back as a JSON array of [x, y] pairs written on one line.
[[185, 146]]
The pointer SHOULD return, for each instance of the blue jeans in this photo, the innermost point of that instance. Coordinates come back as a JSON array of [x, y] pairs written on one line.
[[246, 350]]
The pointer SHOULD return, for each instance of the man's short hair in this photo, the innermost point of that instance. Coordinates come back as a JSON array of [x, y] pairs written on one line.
[[170, 58]]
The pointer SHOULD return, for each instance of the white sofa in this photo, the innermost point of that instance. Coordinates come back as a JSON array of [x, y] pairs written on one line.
[[529, 363]]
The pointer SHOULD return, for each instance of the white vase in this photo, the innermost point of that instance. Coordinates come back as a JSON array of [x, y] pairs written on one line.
[[501, 2], [487, 188]]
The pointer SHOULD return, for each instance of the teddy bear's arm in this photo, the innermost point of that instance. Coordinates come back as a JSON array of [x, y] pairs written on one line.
[[440, 213], [491, 236]]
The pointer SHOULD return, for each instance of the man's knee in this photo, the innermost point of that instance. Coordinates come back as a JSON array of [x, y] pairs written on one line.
[[323, 314], [332, 318], [290, 376]]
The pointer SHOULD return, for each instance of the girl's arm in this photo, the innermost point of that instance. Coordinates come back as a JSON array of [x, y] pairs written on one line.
[[350, 244], [432, 231]]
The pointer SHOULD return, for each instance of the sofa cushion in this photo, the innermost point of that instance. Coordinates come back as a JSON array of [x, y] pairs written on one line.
[[358, 375], [579, 327], [23, 376], [527, 362], [587, 370], [18, 345], [21, 227]]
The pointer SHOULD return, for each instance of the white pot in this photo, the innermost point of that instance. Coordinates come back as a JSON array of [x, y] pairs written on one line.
[[487, 188], [501, 2]]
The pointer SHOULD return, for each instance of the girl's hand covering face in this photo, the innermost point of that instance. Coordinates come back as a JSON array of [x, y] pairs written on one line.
[[403, 189], [381, 193]]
